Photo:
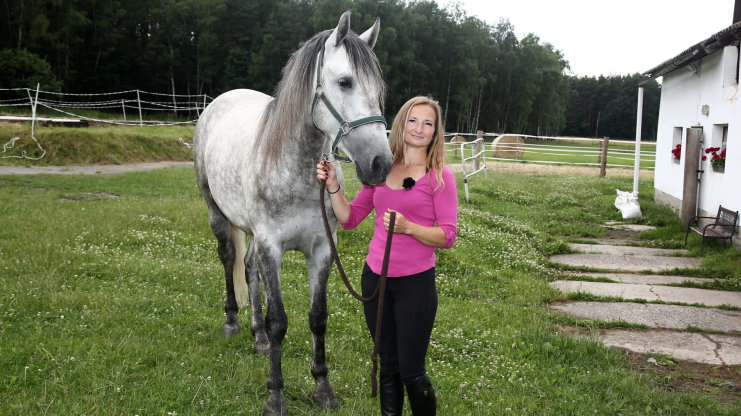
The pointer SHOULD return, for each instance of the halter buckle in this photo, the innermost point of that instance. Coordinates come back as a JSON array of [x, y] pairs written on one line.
[[345, 127]]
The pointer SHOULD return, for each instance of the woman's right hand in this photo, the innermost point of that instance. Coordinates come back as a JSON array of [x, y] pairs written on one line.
[[326, 171]]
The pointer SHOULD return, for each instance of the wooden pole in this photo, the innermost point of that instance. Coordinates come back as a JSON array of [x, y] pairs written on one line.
[[603, 156], [691, 171]]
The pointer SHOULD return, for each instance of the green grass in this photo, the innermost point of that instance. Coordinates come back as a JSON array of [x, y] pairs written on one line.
[[100, 144], [114, 305]]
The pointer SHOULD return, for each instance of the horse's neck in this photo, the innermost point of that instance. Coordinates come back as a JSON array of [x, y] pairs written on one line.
[[302, 151]]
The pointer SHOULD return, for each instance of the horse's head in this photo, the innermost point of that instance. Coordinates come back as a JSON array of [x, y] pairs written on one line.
[[347, 106]]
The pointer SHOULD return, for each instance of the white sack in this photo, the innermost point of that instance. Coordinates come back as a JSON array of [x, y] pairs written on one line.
[[627, 203]]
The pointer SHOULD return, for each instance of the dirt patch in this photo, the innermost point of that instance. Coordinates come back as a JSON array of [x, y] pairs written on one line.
[[538, 169], [722, 382], [89, 196]]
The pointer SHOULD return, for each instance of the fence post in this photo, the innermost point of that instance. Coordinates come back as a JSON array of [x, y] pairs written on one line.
[[123, 108], [477, 149], [603, 156], [139, 101], [33, 108]]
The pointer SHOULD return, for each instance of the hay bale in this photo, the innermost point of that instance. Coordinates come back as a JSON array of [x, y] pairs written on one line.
[[457, 140], [508, 146]]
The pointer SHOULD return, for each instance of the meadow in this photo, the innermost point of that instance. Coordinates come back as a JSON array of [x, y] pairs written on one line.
[[112, 303]]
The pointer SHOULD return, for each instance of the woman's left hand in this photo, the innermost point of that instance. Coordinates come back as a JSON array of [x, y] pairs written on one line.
[[401, 224]]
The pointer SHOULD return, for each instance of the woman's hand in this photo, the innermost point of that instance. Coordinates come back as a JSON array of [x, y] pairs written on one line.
[[326, 171], [431, 236], [401, 224]]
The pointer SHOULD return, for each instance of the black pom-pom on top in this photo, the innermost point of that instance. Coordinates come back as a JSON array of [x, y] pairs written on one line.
[[408, 183]]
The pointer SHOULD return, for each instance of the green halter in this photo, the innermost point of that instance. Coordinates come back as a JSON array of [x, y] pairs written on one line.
[[345, 126]]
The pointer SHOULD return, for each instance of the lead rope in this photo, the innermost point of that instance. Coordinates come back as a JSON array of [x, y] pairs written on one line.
[[380, 287]]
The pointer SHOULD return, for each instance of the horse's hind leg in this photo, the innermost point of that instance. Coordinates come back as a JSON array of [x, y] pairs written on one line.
[[221, 228], [257, 324], [320, 262]]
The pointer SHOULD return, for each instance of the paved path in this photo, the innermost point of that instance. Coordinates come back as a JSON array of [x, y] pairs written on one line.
[[654, 315], [632, 263], [671, 294], [89, 169], [656, 279], [704, 334], [715, 349]]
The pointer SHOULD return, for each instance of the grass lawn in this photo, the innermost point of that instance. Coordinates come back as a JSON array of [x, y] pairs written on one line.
[[112, 303]]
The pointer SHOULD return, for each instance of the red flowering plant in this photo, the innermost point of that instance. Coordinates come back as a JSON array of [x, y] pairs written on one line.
[[717, 156], [677, 151]]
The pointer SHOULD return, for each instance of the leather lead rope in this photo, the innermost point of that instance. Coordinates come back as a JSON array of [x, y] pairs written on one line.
[[380, 287]]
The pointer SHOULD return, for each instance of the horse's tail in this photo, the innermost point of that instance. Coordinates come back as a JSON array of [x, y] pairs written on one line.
[[239, 277]]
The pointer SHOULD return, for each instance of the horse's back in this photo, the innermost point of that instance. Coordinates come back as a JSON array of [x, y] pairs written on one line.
[[233, 115], [223, 143]]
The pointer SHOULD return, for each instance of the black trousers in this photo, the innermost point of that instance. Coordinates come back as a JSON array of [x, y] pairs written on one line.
[[409, 309]]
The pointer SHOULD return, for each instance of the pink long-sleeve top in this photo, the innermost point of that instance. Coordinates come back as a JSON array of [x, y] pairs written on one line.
[[422, 205]]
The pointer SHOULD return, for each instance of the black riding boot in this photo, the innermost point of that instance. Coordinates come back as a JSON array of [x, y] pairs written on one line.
[[422, 398], [391, 391]]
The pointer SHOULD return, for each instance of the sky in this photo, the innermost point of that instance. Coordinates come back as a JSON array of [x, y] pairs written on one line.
[[609, 37]]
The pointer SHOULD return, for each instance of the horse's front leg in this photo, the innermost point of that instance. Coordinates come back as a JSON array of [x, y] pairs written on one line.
[[268, 258], [320, 262]]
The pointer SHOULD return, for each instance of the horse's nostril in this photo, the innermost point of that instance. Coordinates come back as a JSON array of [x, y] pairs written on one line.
[[381, 165]]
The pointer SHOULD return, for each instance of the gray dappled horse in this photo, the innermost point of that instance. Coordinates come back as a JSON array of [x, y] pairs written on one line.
[[255, 161]]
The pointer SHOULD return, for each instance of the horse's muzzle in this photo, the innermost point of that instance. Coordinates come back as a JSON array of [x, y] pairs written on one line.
[[375, 170]]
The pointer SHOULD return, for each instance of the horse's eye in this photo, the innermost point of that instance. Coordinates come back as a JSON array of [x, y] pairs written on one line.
[[345, 82]]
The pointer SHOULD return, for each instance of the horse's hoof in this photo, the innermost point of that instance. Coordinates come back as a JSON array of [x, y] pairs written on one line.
[[275, 406], [327, 403], [270, 412], [231, 330], [325, 397]]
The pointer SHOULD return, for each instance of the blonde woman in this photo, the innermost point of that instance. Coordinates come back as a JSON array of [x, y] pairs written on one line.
[[423, 193]]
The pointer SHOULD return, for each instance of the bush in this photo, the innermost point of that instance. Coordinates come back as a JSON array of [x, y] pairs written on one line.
[[23, 69]]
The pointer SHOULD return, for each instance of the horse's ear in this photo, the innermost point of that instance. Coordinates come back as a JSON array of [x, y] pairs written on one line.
[[342, 29], [371, 35]]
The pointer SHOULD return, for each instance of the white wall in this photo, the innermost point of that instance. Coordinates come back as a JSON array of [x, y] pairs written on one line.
[[683, 95]]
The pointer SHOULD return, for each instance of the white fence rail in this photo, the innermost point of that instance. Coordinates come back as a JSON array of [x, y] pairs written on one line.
[[114, 103], [120, 104], [476, 155]]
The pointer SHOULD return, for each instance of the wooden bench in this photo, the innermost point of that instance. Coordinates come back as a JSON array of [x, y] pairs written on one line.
[[722, 228]]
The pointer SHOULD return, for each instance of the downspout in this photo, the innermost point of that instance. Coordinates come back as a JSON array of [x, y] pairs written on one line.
[[639, 121]]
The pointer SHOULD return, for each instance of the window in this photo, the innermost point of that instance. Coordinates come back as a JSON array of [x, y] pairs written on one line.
[[676, 154], [717, 148]]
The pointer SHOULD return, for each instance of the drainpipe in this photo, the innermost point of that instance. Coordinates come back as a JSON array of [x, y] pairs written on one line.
[[639, 121]]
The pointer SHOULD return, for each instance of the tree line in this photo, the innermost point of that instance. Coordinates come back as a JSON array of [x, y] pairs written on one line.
[[484, 77]]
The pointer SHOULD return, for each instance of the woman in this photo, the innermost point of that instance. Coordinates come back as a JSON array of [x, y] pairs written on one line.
[[422, 191]]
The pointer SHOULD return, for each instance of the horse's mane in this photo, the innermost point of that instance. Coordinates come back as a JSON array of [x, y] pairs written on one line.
[[287, 114]]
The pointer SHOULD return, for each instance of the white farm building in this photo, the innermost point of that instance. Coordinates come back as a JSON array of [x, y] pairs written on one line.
[[698, 149]]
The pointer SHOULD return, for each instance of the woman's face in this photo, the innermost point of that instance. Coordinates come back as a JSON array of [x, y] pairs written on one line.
[[420, 126]]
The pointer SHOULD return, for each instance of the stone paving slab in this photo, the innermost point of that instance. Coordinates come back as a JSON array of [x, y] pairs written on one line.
[[631, 227], [716, 349], [622, 250], [656, 279], [651, 293], [626, 263], [654, 315]]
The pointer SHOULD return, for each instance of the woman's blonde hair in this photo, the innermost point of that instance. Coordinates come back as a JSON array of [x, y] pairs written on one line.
[[435, 150]]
